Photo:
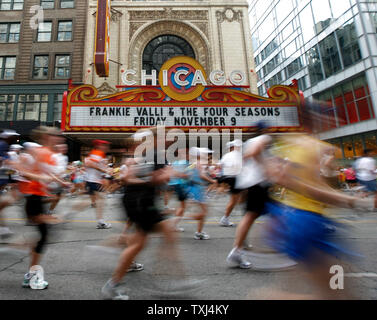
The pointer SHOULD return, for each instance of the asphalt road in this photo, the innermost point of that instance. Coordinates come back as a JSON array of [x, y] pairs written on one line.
[[75, 272]]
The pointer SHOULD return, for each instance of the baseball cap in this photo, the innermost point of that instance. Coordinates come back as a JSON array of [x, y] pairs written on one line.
[[99, 142], [8, 133], [15, 147]]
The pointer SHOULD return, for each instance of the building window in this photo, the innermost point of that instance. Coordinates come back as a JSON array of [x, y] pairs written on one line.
[[314, 65], [7, 68], [11, 4], [163, 48], [40, 70], [67, 4], [6, 107], [32, 107], [349, 45], [44, 31], [330, 55], [65, 31], [351, 102], [62, 66], [9, 32], [58, 101], [294, 67], [48, 4]]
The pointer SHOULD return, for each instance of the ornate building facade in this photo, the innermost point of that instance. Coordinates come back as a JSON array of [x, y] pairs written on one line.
[[144, 34]]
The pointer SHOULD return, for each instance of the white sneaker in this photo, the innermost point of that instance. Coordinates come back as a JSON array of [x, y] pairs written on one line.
[[113, 292], [37, 281], [103, 225], [236, 257], [179, 229], [201, 236], [224, 221], [135, 267]]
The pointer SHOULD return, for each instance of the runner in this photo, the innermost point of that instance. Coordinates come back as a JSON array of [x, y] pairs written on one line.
[[141, 182], [231, 164], [6, 138], [196, 188], [300, 226], [252, 178], [180, 184], [366, 172], [55, 188], [39, 172], [95, 167]]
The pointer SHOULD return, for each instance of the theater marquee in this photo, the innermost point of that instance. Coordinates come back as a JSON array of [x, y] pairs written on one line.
[[210, 106]]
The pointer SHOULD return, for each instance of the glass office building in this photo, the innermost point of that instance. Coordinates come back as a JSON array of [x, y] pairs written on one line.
[[330, 47]]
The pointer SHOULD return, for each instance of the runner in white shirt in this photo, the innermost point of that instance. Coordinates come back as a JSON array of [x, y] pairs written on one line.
[[366, 171], [94, 169], [231, 164], [252, 178], [61, 161]]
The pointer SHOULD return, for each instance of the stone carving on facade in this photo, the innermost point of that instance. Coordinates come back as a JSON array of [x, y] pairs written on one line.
[[105, 89], [228, 14], [134, 26], [169, 13], [203, 26], [115, 15]]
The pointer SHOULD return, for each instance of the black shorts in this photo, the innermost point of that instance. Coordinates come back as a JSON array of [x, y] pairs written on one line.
[[34, 205], [142, 212], [93, 187], [181, 192], [257, 197], [231, 182]]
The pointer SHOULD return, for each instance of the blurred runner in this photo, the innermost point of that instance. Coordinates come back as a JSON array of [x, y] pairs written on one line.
[[39, 172], [196, 188], [231, 164], [56, 188], [366, 172], [95, 167], [141, 182], [6, 156], [299, 226]]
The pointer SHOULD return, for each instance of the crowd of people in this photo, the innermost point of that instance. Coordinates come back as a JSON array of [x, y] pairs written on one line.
[[301, 166]]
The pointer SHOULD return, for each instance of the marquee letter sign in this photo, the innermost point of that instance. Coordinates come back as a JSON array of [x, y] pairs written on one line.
[[102, 41], [183, 99]]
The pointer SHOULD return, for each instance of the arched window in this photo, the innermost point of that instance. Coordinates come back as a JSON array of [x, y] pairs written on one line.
[[162, 48]]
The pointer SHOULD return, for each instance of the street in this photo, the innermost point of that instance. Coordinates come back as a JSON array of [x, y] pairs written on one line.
[[75, 272]]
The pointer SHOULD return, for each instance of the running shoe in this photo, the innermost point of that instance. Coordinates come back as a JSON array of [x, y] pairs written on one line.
[[113, 292], [224, 221], [236, 257], [33, 281], [27, 277], [179, 229], [201, 236], [135, 267], [104, 225]]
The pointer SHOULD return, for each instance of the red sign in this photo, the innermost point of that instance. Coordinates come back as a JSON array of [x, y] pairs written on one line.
[[101, 54]]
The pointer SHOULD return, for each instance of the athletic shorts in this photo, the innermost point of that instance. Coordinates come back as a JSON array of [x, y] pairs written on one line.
[[93, 187], [142, 212], [299, 233], [34, 205], [196, 192], [371, 185], [231, 182], [257, 197], [181, 192]]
